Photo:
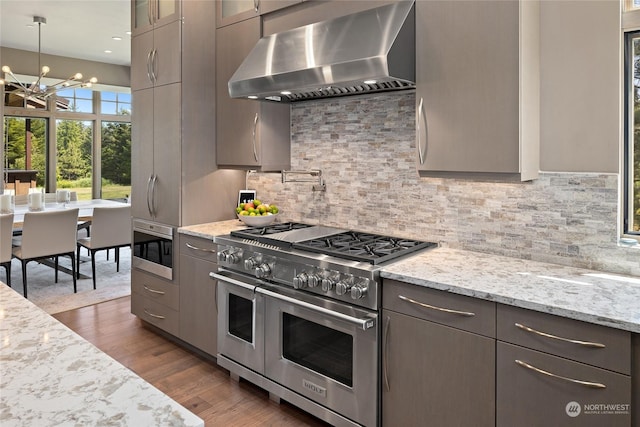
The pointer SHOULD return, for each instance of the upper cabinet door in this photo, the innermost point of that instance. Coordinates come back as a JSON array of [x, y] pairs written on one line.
[[232, 11], [148, 14], [477, 97]]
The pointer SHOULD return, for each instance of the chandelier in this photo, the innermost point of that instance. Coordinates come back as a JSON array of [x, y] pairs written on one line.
[[37, 89]]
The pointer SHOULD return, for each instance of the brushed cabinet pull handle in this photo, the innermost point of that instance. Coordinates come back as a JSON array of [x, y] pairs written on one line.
[[195, 248], [153, 291], [555, 337], [256, 5], [255, 126], [385, 345], [421, 153], [150, 12], [560, 377], [154, 65], [433, 307], [149, 181], [149, 72], [156, 316], [153, 196]]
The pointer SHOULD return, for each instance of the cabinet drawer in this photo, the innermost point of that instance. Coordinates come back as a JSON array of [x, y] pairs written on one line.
[[155, 313], [198, 247], [458, 311], [155, 289], [528, 397], [584, 342]]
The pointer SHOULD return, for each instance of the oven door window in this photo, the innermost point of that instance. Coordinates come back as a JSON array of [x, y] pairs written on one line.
[[323, 350], [241, 317], [157, 250]]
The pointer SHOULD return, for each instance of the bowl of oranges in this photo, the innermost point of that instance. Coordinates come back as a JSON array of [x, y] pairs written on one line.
[[256, 213]]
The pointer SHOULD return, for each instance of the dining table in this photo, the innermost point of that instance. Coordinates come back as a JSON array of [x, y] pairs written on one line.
[[85, 208]]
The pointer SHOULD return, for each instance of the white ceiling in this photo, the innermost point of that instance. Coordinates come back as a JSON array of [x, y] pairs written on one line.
[[75, 28]]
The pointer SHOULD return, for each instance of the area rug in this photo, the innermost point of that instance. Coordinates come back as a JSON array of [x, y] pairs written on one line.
[[58, 297]]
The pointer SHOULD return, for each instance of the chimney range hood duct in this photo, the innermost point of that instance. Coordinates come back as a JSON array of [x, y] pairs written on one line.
[[369, 51]]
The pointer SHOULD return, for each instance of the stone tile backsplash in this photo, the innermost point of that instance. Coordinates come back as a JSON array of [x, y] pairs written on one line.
[[365, 148]]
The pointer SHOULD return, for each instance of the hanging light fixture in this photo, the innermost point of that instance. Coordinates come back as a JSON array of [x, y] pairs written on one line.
[[37, 89]]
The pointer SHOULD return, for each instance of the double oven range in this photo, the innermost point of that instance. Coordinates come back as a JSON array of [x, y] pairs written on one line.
[[298, 314]]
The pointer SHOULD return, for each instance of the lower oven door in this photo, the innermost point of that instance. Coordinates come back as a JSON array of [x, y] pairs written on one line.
[[240, 320], [323, 350]]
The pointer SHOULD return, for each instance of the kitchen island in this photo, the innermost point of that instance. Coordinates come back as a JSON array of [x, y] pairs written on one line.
[[588, 295], [50, 376]]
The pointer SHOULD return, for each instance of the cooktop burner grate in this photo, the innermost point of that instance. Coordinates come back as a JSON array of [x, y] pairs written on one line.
[[269, 229], [363, 247]]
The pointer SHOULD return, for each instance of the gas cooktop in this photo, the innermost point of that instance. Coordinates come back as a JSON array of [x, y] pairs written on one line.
[[346, 244]]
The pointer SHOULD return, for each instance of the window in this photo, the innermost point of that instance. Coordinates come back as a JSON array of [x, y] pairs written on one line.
[[69, 143], [631, 172]]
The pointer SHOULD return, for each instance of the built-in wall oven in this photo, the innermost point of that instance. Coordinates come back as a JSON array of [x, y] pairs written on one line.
[[152, 248], [299, 320]]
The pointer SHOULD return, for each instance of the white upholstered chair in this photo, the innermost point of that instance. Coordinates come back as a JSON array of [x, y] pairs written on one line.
[[48, 235], [110, 228], [6, 228]]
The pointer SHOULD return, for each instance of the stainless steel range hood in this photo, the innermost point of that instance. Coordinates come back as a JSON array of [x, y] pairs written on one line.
[[369, 51]]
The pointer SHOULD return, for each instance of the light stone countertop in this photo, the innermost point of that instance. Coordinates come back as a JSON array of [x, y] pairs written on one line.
[[50, 376], [212, 229], [588, 295]]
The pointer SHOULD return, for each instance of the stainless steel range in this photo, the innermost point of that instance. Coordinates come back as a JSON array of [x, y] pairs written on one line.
[[298, 314]]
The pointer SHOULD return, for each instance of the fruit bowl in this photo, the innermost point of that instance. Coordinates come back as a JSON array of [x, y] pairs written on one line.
[[257, 221]]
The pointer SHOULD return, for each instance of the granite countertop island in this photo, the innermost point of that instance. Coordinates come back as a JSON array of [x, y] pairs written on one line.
[[50, 376], [587, 295]]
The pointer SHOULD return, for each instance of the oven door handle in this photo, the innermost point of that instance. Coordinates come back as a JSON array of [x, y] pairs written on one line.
[[224, 278], [364, 324]]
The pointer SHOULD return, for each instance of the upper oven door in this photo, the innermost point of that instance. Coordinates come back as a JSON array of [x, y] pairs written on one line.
[[152, 248], [324, 350], [240, 320]]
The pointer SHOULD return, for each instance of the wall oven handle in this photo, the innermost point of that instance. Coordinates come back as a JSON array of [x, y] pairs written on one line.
[[239, 283], [364, 324], [555, 337], [195, 248], [385, 346], [549, 374], [433, 307]]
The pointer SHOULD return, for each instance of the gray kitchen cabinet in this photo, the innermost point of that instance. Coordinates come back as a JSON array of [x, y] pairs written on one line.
[[232, 11], [558, 371], [198, 308], [477, 88], [434, 372], [148, 14], [155, 300], [155, 152], [155, 57], [249, 134]]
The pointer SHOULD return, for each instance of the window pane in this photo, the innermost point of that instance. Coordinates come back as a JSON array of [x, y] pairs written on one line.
[[116, 103], [108, 96], [15, 97], [76, 100], [25, 151], [116, 160], [73, 146]]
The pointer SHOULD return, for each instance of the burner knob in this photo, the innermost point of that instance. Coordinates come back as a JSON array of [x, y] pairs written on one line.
[[250, 264], [262, 271], [342, 288], [232, 258], [327, 285], [222, 255], [314, 280], [358, 292], [300, 281]]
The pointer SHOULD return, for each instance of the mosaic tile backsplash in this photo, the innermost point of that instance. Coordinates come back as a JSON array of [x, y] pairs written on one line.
[[365, 148]]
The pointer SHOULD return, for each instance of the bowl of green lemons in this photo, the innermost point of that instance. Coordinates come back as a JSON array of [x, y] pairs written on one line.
[[257, 213]]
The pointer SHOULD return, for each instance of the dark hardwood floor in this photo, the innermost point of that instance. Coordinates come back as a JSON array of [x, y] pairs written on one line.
[[199, 385]]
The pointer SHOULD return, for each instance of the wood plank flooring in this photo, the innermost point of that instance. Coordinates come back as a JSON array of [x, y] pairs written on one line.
[[197, 384]]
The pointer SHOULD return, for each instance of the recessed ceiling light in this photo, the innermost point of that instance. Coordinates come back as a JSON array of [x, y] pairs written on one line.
[[128, 33], [108, 51], [117, 38]]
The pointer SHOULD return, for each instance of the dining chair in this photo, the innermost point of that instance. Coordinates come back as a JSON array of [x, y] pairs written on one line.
[[48, 234], [6, 227], [110, 228], [83, 224]]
